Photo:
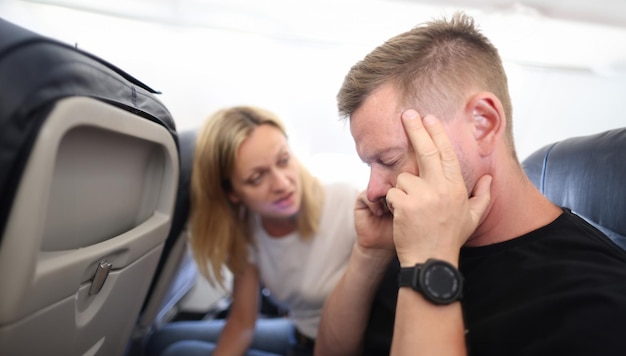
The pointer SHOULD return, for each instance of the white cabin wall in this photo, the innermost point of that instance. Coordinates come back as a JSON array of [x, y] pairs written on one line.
[[201, 69], [550, 105]]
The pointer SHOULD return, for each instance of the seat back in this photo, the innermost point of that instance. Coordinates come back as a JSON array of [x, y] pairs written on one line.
[[176, 273], [88, 176], [588, 175]]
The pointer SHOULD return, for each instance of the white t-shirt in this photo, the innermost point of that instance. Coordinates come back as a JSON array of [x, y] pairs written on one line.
[[300, 274]]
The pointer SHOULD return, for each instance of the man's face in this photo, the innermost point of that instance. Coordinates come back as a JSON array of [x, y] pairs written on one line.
[[383, 145], [381, 141]]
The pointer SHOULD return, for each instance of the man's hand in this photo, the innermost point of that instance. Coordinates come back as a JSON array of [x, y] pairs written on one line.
[[433, 215], [347, 309], [374, 227]]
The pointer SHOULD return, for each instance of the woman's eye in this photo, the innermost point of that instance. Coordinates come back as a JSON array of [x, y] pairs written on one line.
[[283, 161], [255, 180]]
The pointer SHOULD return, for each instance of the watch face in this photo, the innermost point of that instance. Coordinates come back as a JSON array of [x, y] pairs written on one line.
[[441, 282]]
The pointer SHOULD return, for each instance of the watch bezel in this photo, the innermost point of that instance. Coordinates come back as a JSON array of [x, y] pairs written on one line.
[[416, 278], [433, 295]]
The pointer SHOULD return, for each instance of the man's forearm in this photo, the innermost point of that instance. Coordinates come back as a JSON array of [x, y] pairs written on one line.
[[423, 328], [347, 309]]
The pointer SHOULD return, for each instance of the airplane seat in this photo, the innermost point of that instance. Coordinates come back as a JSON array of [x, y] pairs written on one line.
[[88, 176], [586, 174], [176, 272]]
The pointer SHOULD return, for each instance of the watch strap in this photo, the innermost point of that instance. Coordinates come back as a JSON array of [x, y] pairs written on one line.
[[408, 276]]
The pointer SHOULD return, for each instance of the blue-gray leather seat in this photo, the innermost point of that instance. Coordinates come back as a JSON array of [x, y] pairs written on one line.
[[588, 175]]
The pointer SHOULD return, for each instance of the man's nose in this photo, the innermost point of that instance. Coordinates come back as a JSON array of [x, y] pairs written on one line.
[[377, 186]]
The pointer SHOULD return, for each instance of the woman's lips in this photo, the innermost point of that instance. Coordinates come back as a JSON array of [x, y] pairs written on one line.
[[285, 201]]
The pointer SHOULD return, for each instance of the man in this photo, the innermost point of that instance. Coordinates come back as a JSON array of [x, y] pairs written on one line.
[[430, 114]]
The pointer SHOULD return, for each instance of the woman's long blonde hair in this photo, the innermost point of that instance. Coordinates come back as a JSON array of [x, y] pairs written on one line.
[[220, 229]]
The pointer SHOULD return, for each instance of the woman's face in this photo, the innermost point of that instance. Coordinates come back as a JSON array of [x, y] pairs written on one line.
[[266, 177]]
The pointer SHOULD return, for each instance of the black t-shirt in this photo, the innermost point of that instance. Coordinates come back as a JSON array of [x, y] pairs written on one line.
[[559, 290]]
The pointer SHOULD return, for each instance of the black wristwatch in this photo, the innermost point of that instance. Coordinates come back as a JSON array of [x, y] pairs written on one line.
[[438, 281]]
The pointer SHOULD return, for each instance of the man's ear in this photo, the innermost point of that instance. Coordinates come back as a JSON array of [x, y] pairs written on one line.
[[488, 119]]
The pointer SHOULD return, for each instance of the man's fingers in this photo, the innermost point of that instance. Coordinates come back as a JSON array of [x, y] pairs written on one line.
[[449, 160], [481, 196], [393, 196], [434, 152], [426, 152], [377, 208]]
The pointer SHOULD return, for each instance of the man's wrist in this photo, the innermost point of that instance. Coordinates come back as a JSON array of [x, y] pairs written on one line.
[[410, 260], [373, 255], [437, 280]]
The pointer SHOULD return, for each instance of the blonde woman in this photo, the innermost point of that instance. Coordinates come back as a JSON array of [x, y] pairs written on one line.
[[260, 213]]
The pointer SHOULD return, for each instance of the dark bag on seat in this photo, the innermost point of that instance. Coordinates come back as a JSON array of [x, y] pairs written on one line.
[[89, 168], [35, 72]]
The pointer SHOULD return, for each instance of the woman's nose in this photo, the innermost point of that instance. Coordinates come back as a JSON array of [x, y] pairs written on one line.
[[280, 180]]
